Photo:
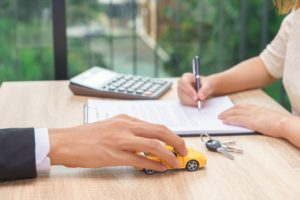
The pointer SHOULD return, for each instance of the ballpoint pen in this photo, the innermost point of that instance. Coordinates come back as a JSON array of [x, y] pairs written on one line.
[[197, 77]]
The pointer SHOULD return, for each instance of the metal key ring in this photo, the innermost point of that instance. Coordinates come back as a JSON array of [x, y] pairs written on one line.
[[204, 134]]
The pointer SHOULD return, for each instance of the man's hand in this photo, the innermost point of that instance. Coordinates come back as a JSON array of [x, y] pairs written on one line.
[[114, 142], [257, 118]]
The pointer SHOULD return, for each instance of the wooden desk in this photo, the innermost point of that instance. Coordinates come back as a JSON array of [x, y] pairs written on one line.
[[268, 169]]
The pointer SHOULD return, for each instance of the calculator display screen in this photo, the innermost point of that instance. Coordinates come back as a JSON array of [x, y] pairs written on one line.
[[94, 78]]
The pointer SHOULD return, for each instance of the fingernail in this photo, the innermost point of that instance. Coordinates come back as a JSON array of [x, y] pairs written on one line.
[[220, 116], [195, 98], [163, 167], [185, 153], [176, 164]]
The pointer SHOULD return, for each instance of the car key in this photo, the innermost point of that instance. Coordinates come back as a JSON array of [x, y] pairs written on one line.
[[215, 145], [228, 142], [231, 149]]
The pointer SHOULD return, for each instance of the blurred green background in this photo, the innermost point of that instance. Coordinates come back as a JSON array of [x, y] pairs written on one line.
[[146, 37]]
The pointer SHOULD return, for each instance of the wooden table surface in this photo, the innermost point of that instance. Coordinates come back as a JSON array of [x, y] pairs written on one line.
[[268, 169]]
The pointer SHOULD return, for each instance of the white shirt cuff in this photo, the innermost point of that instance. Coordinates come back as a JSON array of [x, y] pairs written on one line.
[[42, 148]]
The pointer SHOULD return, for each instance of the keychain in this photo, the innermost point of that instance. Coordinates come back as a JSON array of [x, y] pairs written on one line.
[[221, 147]]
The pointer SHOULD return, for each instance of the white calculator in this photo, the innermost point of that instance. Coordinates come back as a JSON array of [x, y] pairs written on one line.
[[101, 82]]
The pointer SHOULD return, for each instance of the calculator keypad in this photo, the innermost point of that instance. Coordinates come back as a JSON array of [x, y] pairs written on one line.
[[135, 85]]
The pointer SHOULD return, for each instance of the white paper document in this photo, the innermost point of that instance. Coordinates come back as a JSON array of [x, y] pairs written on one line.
[[183, 120]]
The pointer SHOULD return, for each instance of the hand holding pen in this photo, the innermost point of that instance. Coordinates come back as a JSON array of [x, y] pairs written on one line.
[[187, 89]]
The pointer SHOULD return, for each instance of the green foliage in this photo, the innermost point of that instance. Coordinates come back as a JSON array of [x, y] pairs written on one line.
[[218, 45], [275, 90], [37, 63], [80, 12], [78, 57], [7, 54], [204, 35], [27, 51]]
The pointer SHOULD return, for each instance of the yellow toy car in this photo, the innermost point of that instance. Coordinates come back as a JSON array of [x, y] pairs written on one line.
[[193, 161]]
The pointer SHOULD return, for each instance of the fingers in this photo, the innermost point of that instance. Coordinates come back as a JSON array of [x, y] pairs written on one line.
[[188, 78], [135, 160], [153, 131], [238, 120], [139, 144], [238, 115], [162, 133], [186, 99], [205, 89], [187, 93], [241, 110], [231, 112], [186, 89], [127, 117]]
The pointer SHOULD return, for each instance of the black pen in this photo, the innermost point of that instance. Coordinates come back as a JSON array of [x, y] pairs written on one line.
[[197, 77]]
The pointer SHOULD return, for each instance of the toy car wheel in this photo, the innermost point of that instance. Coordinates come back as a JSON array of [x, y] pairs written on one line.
[[192, 165], [149, 171]]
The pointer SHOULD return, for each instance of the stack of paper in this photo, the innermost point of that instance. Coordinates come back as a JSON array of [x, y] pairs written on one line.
[[183, 120]]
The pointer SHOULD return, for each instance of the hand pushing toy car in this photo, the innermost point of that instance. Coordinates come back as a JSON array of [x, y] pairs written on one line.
[[193, 161]]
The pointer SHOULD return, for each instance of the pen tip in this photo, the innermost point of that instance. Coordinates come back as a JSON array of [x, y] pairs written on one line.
[[199, 104]]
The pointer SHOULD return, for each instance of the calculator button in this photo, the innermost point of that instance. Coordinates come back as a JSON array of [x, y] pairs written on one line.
[[148, 93], [136, 78], [115, 85], [145, 79], [140, 91], [127, 77], [129, 83], [121, 89], [152, 89], [157, 85], [112, 87], [137, 85], [146, 86], [121, 81], [126, 85], [130, 90]]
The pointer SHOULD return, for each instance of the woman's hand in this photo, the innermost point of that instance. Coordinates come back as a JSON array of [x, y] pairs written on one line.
[[265, 121], [187, 93], [114, 142], [257, 118]]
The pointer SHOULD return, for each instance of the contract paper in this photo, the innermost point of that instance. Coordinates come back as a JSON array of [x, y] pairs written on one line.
[[183, 120]]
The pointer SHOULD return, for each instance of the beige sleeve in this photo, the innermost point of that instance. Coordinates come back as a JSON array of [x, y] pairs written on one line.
[[273, 55]]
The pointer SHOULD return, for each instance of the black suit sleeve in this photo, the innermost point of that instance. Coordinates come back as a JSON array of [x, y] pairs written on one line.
[[17, 154]]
